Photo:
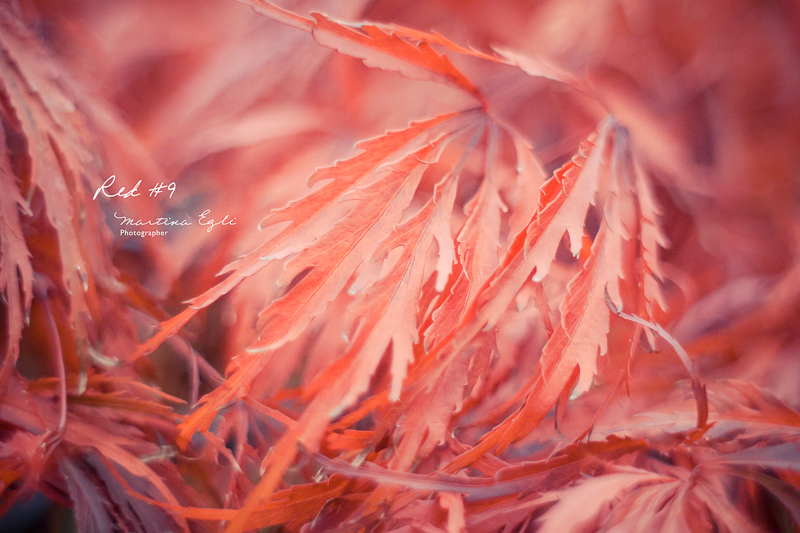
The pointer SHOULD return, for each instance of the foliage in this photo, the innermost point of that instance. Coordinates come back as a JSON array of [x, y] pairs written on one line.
[[555, 289]]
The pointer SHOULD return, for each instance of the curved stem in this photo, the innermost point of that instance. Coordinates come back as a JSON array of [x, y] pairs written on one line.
[[698, 387], [40, 290]]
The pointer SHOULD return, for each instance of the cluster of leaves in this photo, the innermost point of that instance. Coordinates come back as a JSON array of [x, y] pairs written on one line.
[[542, 300]]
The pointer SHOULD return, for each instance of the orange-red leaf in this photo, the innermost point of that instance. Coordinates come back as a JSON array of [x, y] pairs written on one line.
[[378, 47]]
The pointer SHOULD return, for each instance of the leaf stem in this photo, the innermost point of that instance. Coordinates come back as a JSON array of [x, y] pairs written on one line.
[[40, 289], [698, 386]]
